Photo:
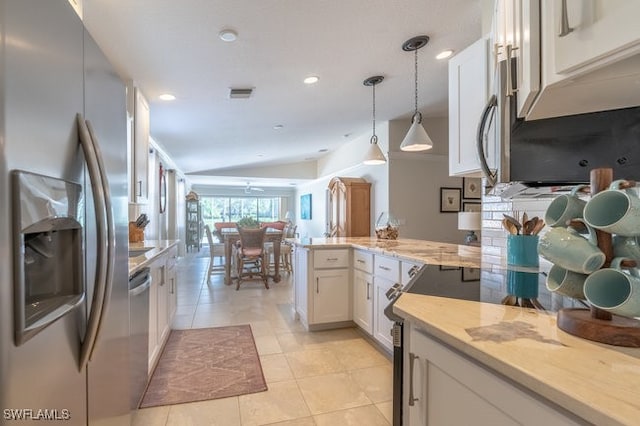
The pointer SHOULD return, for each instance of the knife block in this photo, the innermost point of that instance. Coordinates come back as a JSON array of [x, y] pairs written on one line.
[[136, 235]]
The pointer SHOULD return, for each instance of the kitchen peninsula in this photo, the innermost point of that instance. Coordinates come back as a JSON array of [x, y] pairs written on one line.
[[505, 364]]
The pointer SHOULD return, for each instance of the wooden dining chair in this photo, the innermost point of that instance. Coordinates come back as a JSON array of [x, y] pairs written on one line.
[[215, 250], [286, 250], [251, 256]]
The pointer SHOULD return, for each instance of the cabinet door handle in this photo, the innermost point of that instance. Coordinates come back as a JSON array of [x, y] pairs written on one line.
[[139, 188], [317, 285], [565, 29], [384, 268], [332, 259], [359, 260], [173, 281], [509, 77], [368, 286], [412, 358]]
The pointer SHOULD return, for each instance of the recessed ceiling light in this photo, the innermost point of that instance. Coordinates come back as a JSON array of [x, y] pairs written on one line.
[[167, 97], [228, 35], [444, 54], [323, 150], [260, 155], [346, 135], [312, 79], [278, 126]]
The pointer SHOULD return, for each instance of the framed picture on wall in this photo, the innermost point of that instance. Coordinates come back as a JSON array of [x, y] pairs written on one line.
[[305, 206], [469, 206], [471, 188], [450, 200]]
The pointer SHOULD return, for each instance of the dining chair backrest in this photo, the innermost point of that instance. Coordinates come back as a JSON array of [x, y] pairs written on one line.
[[209, 236], [279, 225], [252, 238], [289, 231]]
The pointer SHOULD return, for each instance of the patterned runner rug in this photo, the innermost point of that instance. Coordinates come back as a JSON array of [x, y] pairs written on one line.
[[205, 363]]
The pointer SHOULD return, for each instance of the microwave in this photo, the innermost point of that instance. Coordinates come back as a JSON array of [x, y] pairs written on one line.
[[556, 152]]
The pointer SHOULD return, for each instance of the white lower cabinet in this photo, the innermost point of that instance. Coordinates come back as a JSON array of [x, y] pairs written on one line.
[[331, 295], [163, 307], [386, 273], [438, 381], [301, 285], [162, 302], [381, 324], [172, 282], [363, 300], [322, 287]]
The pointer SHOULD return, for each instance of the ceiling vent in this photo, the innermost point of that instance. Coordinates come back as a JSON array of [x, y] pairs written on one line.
[[240, 93]]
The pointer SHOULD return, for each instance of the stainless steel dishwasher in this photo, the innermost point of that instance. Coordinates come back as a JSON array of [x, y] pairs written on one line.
[[139, 284]]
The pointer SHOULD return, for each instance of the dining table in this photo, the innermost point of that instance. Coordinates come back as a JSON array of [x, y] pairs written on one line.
[[231, 235]]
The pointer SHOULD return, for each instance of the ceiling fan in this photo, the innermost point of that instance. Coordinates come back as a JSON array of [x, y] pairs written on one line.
[[248, 189]]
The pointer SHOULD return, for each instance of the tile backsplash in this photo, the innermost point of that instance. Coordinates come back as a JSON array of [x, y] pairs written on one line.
[[493, 234]]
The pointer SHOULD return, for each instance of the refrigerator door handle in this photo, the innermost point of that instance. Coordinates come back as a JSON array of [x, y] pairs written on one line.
[[111, 234], [103, 242]]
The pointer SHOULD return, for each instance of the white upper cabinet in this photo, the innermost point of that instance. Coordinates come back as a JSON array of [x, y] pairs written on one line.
[[572, 56], [468, 94], [516, 35], [140, 181], [590, 31]]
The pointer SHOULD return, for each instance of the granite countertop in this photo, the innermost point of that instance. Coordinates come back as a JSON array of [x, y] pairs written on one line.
[[159, 247], [598, 382], [404, 248]]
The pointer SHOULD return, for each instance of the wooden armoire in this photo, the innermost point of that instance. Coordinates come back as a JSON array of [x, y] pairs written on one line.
[[349, 207]]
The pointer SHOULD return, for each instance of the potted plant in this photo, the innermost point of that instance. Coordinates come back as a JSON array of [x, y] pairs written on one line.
[[247, 222]]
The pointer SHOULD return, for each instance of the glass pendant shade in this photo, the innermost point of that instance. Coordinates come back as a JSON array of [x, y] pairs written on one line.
[[374, 155], [417, 138]]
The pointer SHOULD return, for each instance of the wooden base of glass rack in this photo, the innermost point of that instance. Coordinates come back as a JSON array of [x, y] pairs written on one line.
[[619, 331]]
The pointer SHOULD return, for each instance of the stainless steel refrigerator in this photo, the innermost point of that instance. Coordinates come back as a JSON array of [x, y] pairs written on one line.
[[63, 222]]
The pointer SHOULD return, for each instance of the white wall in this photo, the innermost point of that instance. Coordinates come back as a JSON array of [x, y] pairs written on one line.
[[345, 162], [408, 186], [415, 198], [415, 180]]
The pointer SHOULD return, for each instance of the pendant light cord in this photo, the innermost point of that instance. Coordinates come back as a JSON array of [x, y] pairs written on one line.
[[374, 112], [416, 114], [416, 79]]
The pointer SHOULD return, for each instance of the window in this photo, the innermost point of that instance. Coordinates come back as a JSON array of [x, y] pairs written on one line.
[[232, 209]]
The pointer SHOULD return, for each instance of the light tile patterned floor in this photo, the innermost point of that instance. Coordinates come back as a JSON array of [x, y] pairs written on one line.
[[331, 377]]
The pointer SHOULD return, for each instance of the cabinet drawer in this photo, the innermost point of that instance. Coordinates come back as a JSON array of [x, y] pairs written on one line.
[[386, 267], [405, 269], [363, 260], [331, 258]]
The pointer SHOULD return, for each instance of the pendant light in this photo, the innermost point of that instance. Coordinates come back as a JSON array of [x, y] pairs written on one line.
[[417, 138], [374, 153]]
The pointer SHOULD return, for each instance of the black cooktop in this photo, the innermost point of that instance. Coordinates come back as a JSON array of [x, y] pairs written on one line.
[[511, 286]]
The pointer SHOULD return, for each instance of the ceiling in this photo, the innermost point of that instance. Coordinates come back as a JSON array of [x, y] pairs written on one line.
[[168, 46]]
